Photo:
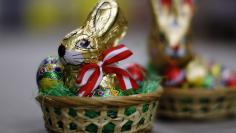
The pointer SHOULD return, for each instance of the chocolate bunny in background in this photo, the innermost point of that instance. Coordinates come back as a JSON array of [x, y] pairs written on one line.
[[170, 37]]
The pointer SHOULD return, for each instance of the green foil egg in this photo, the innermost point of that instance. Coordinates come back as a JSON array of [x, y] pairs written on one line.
[[50, 73], [209, 82]]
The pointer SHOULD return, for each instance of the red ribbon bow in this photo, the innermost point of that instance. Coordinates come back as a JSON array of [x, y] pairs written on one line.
[[91, 75]]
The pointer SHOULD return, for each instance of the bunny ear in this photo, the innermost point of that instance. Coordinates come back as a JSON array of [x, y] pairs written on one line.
[[156, 8], [103, 16]]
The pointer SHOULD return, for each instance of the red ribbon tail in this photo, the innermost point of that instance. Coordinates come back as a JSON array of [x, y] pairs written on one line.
[[83, 70], [134, 83], [87, 89]]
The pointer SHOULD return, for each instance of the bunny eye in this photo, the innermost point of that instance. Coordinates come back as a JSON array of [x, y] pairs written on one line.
[[83, 44], [162, 38]]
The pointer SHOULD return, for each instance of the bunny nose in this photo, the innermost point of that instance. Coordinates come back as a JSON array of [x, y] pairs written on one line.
[[175, 48], [61, 50]]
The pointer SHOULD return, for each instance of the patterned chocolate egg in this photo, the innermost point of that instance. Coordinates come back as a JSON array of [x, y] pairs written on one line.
[[104, 92], [50, 72]]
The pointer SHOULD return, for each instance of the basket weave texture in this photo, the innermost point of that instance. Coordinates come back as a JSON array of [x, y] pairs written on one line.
[[122, 114], [231, 96], [198, 104]]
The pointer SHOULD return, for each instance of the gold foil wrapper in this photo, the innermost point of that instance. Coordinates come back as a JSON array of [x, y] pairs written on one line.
[[109, 81], [103, 29], [170, 37]]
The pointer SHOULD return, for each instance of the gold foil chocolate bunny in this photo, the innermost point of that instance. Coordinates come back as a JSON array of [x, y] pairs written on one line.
[[103, 29], [170, 38]]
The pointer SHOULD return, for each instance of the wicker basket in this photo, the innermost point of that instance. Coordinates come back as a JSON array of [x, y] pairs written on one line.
[[123, 114], [197, 104], [232, 101]]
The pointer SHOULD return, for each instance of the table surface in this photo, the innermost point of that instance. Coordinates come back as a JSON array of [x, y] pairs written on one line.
[[22, 52]]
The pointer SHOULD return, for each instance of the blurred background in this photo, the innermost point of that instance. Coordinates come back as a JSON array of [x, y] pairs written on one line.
[[214, 19], [30, 30]]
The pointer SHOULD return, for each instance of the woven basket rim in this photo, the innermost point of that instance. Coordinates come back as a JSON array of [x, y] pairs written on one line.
[[200, 91], [233, 90], [120, 101], [215, 98]]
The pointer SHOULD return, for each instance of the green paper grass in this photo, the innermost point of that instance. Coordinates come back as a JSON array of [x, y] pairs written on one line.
[[57, 90], [147, 86], [150, 85]]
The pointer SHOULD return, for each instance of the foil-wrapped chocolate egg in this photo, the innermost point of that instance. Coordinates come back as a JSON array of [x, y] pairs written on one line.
[[215, 70], [209, 82], [101, 92], [136, 71], [229, 78], [231, 83], [50, 72], [174, 76], [105, 92], [196, 73]]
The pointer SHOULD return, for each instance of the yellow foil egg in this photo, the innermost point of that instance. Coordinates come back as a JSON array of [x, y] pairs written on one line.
[[216, 70], [196, 73]]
